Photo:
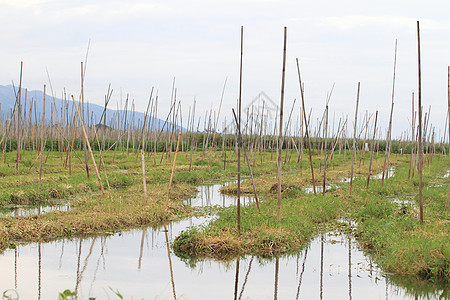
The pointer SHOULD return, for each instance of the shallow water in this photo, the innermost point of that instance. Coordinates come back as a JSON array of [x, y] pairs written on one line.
[[138, 265], [319, 189], [22, 211], [390, 173]]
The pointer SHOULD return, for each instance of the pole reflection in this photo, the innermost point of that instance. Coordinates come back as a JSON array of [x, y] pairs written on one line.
[[246, 277], [170, 262], [94, 278], [141, 250], [16, 257], [277, 267], [236, 281], [39, 270], [349, 268], [321, 266], [301, 275]]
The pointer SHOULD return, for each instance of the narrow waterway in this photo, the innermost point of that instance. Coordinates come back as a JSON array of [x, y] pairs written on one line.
[[138, 265]]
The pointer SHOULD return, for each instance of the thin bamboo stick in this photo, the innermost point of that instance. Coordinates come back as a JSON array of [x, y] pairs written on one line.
[[144, 181], [420, 151], [388, 137], [280, 137], [448, 112], [217, 121], [89, 147], [325, 150], [19, 119], [42, 141], [248, 165], [173, 171], [354, 139], [306, 126], [239, 141], [411, 163], [372, 147]]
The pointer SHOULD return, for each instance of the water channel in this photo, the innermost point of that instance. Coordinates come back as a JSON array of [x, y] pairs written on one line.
[[138, 264]]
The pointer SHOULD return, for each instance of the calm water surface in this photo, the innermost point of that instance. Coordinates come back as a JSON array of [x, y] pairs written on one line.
[[138, 264]]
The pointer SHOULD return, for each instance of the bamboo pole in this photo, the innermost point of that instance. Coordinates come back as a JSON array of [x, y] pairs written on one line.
[[82, 111], [144, 182], [192, 136], [388, 137], [372, 147], [354, 139], [306, 126], [239, 141], [31, 125], [448, 112], [248, 165], [280, 136], [89, 146], [42, 141], [325, 150], [420, 151], [19, 114], [217, 121], [411, 162], [337, 140], [171, 175]]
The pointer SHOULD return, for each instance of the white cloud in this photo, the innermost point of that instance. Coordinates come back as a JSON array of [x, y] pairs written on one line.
[[139, 44]]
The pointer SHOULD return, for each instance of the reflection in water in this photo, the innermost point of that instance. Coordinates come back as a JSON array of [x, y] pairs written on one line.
[[141, 248], [24, 211], [344, 271], [94, 277], [16, 256], [301, 274], [39, 271], [78, 266], [80, 275], [349, 268], [321, 266], [236, 278], [210, 195], [170, 263], [62, 253], [277, 268], [246, 277]]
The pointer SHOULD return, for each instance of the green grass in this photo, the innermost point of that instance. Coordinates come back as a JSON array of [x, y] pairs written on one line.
[[391, 232]]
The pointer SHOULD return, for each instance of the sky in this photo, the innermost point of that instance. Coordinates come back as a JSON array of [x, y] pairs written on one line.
[[136, 45]]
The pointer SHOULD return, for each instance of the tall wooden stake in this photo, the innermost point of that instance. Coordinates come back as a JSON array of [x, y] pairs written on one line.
[[411, 163], [217, 121], [448, 111], [372, 147], [248, 165], [88, 146], [325, 150], [144, 181], [354, 139], [280, 136], [387, 153], [19, 114], [239, 139], [173, 171], [42, 141], [306, 126], [420, 154]]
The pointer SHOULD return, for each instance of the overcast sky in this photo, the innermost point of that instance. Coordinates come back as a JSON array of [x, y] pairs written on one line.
[[137, 45]]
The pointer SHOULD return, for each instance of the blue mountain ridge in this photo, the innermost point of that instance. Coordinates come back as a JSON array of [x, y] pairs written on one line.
[[8, 99]]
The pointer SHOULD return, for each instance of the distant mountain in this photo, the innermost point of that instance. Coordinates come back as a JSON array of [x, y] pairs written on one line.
[[8, 99]]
